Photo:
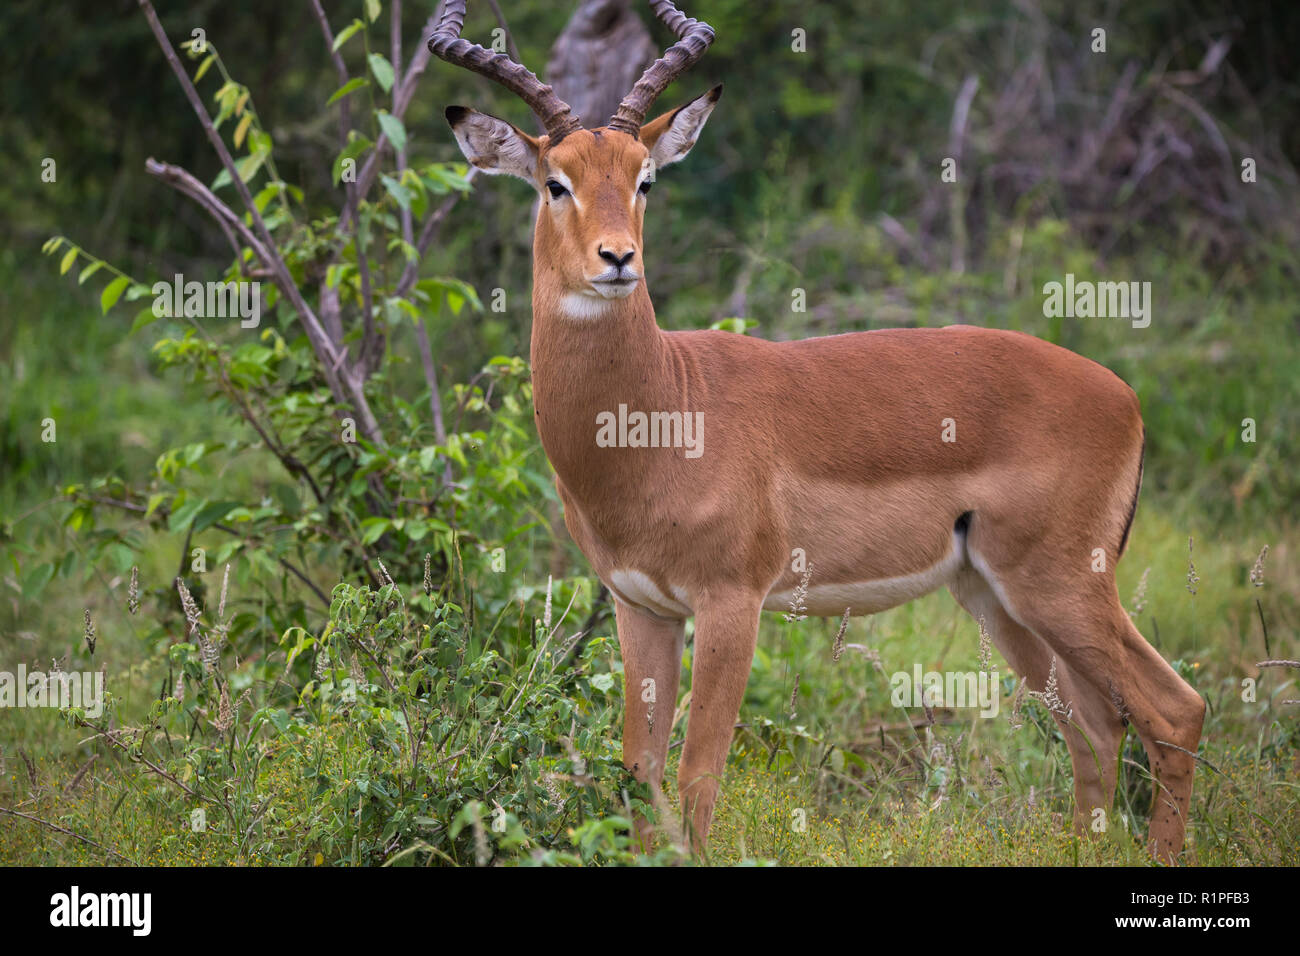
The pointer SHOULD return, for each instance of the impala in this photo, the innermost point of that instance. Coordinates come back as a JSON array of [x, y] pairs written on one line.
[[897, 461]]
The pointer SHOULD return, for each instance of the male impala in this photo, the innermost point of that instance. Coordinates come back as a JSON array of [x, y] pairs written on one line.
[[831, 445]]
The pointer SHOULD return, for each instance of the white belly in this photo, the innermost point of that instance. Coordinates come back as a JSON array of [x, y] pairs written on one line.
[[869, 597], [636, 588]]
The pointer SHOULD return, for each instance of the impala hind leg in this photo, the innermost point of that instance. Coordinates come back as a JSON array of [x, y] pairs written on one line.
[[726, 631], [1095, 729], [1080, 618], [652, 660]]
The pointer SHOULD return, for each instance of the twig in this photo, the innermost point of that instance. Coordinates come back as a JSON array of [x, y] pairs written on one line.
[[427, 234], [1260, 608], [1195, 756], [64, 830], [345, 387], [185, 182], [400, 103], [956, 139]]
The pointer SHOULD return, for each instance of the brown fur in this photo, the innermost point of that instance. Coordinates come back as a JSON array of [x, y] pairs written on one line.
[[833, 445]]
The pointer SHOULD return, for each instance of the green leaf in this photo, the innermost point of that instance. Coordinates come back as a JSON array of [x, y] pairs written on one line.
[[249, 165], [68, 564], [144, 317], [348, 87], [121, 555], [112, 292], [287, 496], [266, 194], [373, 529], [355, 147], [397, 191], [89, 271], [179, 519], [203, 68], [68, 260], [392, 128], [382, 69], [213, 513], [373, 9], [37, 578], [259, 141], [348, 32], [737, 325]]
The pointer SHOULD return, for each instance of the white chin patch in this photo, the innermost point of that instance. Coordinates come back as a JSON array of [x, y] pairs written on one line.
[[576, 305]]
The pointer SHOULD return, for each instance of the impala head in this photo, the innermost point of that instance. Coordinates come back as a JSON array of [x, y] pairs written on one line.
[[593, 183]]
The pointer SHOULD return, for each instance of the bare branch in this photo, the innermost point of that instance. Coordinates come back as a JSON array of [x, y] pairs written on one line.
[[186, 182], [76, 836], [343, 387], [405, 92], [427, 234], [329, 301]]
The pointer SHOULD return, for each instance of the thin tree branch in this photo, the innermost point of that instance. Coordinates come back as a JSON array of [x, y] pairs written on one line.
[[291, 464], [329, 300], [183, 181], [162, 511], [510, 37], [406, 91], [76, 836], [343, 387], [428, 232]]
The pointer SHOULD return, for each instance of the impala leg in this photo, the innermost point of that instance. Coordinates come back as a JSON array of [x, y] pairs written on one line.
[[652, 660], [726, 631], [1082, 622], [1166, 711], [1095, 729]]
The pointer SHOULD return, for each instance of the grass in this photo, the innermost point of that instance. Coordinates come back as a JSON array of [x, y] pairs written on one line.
[[848, 780]]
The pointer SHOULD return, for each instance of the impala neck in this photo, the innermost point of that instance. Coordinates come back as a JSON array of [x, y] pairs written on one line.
[[584, 366]]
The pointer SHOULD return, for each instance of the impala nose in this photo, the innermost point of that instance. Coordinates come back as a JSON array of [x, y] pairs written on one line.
[[617, 261]]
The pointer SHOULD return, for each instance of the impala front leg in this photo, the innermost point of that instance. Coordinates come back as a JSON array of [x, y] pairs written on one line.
[[652, 663], [726, 630]]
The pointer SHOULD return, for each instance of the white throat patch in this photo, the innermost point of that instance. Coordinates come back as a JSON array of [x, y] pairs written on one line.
[[576, 305]]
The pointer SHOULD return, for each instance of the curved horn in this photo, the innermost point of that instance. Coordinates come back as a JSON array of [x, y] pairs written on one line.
[[446, 44], [694, 37]]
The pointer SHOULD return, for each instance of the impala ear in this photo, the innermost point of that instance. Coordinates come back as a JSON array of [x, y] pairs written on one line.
[[670, 137], [493, 145]]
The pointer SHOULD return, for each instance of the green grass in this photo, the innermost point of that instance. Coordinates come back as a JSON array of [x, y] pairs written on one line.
[[967, 791]]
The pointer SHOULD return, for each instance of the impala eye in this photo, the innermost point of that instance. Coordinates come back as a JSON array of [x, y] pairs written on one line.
[[557, 191], [645, 187]]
